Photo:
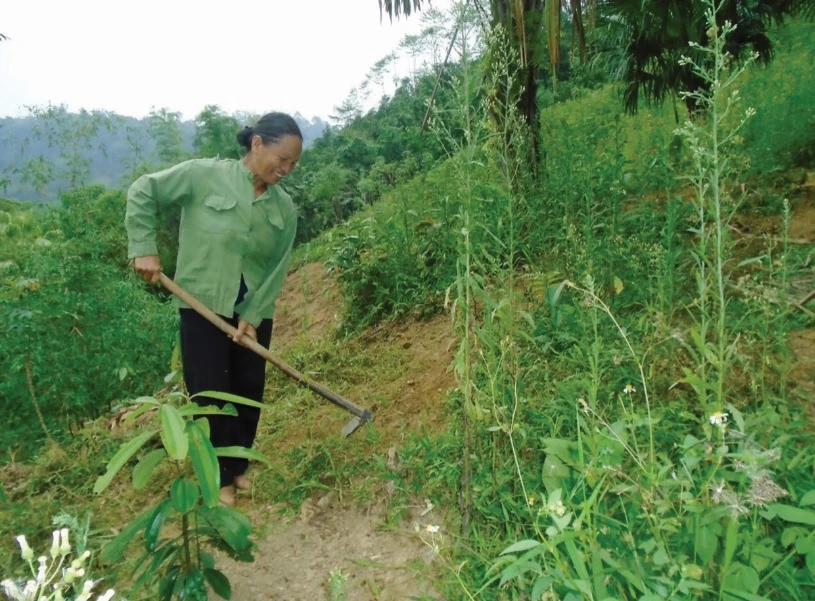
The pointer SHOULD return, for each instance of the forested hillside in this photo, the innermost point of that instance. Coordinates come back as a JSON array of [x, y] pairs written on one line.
[[568, 265], [53, 149]]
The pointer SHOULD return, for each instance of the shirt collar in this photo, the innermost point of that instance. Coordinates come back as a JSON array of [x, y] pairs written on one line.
[[245, 170]]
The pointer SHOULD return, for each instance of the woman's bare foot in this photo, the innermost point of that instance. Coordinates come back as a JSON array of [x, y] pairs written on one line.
[[227, 495], [242, 482]]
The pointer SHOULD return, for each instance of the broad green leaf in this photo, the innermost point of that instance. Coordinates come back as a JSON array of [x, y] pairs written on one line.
[[242, 453], [730, 541], [125, 452], [219, 583], [203, 423], [166, 586], [810, 559], [195, 409], [231, 524], [796, 515], [154, 525], [205, 464], [115, 549], [707, 542], [808, 499], [792, 534], [804, 545], [207, 560], [144, 469], [553, 294], [231, 398], [164, 553], [542, 584], [516, 569], [173, 433], [139, 411], [149, 400], [195, 586], [184, 495], [521, 545], [577, 561], [661, 557]]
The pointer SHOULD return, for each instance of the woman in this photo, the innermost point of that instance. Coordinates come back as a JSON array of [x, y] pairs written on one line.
[[235, 239]]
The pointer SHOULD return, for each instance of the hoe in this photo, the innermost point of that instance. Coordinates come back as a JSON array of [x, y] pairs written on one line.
[[361, 416]]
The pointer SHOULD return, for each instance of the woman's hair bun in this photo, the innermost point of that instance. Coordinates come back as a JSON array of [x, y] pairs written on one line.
[[245, 137]]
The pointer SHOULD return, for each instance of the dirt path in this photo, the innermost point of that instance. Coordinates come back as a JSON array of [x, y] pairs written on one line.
[[296, 559], [802, 342], [380, 561]]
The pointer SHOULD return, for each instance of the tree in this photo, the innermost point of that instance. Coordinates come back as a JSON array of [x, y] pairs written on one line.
[[523, 21], [215, 134], [396, 8], [165, 129], [651, 37]]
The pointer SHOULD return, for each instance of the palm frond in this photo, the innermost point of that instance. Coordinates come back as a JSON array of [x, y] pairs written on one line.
[[397, 8]]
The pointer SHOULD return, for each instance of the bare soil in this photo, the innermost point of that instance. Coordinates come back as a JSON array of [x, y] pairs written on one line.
[[381, 561], [295, 560]]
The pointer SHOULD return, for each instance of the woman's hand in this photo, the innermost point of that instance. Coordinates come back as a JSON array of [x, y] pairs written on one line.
[[244, 327], [148, 267]]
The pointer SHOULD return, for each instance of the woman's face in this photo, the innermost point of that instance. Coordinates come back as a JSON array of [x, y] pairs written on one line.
[[273, 161]]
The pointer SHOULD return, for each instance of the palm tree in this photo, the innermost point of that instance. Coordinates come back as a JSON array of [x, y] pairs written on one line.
[[649, 37], [396, 8], [523, 20]]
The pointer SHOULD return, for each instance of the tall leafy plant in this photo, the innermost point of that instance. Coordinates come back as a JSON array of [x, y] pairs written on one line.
[[179, 563]]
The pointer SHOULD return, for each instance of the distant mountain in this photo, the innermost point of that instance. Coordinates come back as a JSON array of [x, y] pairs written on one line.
[[40, 155]]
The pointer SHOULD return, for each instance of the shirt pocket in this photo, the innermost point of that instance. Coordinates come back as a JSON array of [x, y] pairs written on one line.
[[217, 214]]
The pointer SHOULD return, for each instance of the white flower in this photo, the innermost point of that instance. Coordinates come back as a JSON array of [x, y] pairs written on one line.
[[718, 419], [432, 529], [27, 552], [11, 590], [107, 596], [42, 570], [86, 591], [629, 388], [55, 545], [65, 548]]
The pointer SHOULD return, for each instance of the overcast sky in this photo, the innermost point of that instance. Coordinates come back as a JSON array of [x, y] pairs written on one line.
[[243, 55]]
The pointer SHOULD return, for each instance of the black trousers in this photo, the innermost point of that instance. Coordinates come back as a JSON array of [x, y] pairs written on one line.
[[212, 361]]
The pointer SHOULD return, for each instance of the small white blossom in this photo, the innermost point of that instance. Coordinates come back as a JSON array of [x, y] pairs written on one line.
[[65, 547], [719, 418], [26, 551], [629, 388], [432, 529], [55, 545], [86, 591], [42, 570], [107, 596], [11, 589]]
